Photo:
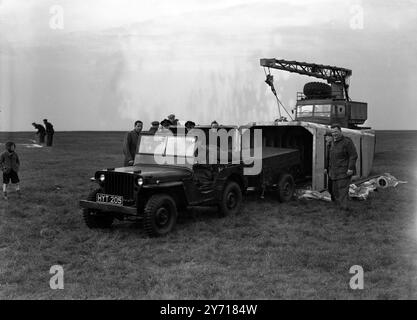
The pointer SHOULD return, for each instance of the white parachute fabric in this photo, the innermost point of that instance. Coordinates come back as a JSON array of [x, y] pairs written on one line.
[[361, 191], [358, 191], [313, 195]]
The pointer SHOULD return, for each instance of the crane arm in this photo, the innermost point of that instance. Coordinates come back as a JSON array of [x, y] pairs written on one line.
[[330, 73]]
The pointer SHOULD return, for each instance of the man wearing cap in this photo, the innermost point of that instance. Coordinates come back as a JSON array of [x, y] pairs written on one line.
[[131, 143], [154, 128], [49, 132], [340, 166], [173, 120]]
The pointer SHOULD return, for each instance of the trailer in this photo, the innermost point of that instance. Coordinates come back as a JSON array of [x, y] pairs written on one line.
[[310, 140], [280, 167]]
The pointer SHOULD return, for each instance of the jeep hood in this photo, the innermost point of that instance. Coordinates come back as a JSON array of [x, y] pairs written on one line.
[[164, 172]]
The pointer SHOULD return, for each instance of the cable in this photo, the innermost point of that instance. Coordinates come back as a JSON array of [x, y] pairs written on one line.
[[270, 81], [279, 101]]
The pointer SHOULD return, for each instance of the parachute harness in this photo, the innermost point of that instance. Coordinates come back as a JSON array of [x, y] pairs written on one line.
[[270, 82]]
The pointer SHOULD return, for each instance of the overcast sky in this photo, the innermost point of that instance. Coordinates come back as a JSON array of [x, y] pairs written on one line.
[[114, 61]]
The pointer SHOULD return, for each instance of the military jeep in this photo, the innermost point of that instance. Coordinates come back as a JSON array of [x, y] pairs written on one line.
[[165, 179]]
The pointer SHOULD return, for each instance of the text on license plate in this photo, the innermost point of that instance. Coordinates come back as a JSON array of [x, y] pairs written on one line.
[[108, 198]]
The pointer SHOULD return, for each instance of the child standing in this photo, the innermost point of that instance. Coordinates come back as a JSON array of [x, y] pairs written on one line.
[[9, 164]]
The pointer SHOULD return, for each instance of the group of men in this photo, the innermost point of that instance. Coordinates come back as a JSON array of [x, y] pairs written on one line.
[[44, 131], [132, 138], [340, 164], [171, 121]]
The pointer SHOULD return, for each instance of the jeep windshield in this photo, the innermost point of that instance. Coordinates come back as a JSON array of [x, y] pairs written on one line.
[[177, 146]]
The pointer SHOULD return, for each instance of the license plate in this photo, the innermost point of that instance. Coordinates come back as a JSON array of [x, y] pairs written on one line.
[[108, 198]]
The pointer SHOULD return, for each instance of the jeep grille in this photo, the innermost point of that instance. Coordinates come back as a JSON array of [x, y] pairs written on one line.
[[120, 184]]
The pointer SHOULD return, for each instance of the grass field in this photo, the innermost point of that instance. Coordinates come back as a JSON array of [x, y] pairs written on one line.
[[302, 249]]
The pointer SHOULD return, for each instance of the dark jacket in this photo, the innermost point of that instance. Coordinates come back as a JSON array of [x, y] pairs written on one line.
[[40, 128], [130, 145], [9, 161], [341, 157], [152, 130], [49, 128]]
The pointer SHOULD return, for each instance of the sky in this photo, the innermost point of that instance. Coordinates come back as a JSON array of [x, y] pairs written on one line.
[[102, 64]]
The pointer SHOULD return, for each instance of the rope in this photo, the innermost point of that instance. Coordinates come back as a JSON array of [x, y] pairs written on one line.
[[269, 80], [279, 109], [279, 101]]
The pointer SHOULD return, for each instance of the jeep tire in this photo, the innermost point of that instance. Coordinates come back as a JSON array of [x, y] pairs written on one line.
[[96, 219], [231, 200], [160, 215], [286, 187]]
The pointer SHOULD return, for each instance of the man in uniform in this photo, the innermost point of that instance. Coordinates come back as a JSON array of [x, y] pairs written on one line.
[[131, 143], [340, 166], [49, 132]]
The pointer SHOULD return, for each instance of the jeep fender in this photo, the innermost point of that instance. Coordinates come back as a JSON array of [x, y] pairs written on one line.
[[174, 189]]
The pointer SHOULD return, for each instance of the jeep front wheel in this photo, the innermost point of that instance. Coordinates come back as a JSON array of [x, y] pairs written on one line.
[[94, 218], [160, 215], [231, 200]]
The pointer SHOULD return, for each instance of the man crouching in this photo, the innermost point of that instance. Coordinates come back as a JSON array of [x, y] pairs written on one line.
[[340, 166], [9, 164]]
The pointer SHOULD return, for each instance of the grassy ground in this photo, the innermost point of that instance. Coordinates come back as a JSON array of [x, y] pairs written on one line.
[[296, 250]]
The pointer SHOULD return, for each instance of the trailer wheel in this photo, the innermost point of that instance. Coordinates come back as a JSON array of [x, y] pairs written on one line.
[[160, 215], [96, 219], [231, 201], [286, 187]]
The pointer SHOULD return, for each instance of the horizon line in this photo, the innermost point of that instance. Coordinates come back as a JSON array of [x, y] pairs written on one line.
[[67, 131]]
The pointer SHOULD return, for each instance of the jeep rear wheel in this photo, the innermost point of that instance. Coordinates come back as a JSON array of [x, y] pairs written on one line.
[[231, 201], [94, 218], [286, 188], [160, 215]]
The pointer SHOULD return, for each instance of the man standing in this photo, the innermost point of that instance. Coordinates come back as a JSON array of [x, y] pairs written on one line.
[[214, 124], [131, 143], [10, 164], [165, 124], [189, 125], [40, 133], [340, 166], [154, 128], [173, 120], [49, 132]]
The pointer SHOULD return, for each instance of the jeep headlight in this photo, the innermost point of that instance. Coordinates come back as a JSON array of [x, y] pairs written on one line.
[[140, 181], [102, 177]]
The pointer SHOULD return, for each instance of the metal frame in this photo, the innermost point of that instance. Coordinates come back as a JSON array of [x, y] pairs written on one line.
[[330, 73]]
